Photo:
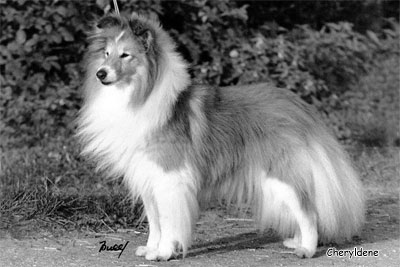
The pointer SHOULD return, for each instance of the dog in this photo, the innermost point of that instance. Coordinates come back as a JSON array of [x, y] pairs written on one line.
[[177, 145]]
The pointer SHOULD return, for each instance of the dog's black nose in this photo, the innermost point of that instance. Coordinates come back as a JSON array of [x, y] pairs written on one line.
[[101, 74]]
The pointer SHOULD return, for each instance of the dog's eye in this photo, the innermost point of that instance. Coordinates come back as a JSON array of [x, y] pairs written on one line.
[[106, 54], [124, 55]]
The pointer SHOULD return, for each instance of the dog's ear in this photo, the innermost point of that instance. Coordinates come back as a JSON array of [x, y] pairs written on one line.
[[146, 38], [108, 21], [142, 33]]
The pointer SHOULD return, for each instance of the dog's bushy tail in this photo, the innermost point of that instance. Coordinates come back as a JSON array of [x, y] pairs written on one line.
[[339, 198]]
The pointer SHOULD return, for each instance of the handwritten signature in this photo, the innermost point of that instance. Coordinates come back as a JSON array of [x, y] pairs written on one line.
[[115, 247]]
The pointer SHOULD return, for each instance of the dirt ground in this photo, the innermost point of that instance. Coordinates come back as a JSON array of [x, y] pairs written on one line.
[[219, 240]]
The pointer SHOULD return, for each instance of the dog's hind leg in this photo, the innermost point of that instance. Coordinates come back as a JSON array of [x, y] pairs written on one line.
[[293, 242], [282, 210], [308, 235]]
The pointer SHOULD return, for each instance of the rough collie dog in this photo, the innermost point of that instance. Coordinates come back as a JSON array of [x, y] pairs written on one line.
[[176, 143]]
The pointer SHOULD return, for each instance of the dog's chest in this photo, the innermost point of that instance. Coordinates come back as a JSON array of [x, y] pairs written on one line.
[[113, 130]]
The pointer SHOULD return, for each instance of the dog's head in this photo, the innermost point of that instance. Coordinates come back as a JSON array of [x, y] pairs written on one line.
[[122, 48], [134, 53]]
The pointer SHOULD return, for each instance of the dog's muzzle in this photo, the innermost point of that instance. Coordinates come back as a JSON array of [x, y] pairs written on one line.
[[106, 75], [101, 75]]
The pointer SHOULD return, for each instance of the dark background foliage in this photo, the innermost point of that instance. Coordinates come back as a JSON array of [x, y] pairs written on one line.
[[318, 49]]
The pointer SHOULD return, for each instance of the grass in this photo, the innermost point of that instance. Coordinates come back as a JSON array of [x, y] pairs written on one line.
[[50, 186]]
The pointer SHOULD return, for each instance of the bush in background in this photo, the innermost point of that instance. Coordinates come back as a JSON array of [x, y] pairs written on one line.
[[42, 43]]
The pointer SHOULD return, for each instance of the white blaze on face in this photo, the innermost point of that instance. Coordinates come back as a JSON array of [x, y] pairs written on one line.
[[119, 36], [112, 57]]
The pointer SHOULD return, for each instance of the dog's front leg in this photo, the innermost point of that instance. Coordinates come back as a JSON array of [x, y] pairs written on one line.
[[154, 226], [174, 200]]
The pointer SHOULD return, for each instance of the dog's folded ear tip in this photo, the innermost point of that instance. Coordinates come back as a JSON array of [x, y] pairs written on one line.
[[108, 21]]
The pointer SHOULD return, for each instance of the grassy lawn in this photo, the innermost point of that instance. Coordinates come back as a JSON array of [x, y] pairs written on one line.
[[51, 187]]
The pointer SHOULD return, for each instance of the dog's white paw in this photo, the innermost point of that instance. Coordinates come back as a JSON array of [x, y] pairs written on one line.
[[291, 243], [142, 251], [302, 252], [163, 253], [157, 255]]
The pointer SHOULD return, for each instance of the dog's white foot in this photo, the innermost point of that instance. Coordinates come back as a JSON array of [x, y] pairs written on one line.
[[304, 253], [291, 242], [142, 251], [163, 253], [158, 255], [299, 250]]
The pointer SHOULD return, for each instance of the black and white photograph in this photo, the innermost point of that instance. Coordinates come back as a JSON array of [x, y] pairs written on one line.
[[199, 133]]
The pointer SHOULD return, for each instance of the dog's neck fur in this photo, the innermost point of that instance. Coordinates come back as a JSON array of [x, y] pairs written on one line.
[[174, 78]]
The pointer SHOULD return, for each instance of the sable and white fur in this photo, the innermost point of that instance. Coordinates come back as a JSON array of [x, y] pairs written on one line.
[[176, 143]]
